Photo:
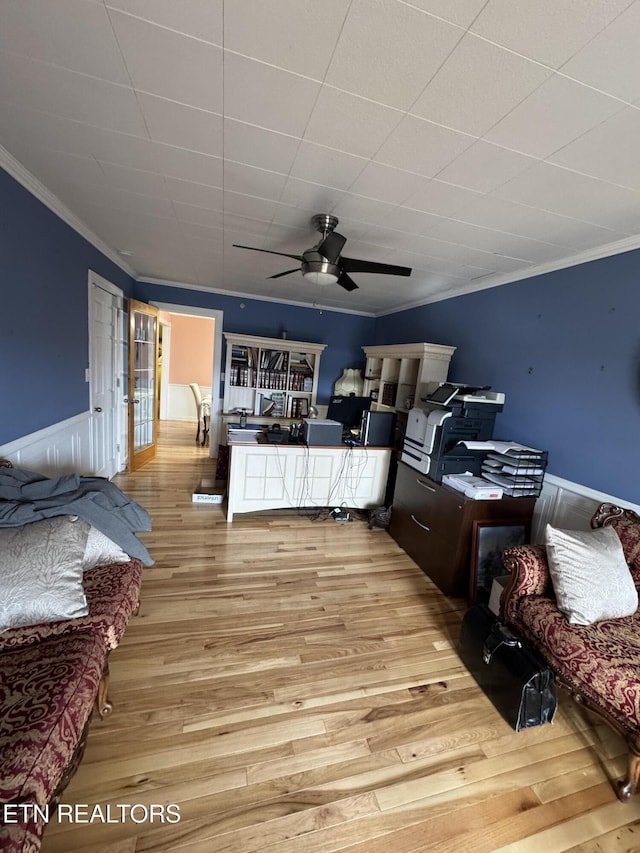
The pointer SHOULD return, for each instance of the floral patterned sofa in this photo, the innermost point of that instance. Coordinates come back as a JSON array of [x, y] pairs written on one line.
[[67, 593], [598, 663]]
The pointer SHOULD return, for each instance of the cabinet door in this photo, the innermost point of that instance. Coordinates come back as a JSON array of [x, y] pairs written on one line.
[[436, 555]]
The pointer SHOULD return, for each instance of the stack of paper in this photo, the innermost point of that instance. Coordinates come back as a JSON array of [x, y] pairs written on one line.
[[476, 488]]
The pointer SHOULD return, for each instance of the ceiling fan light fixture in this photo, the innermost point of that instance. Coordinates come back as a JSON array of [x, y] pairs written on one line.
[[318, 270], [321, 278]]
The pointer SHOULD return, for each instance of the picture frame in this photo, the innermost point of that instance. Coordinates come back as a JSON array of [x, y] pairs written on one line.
[[488, 541]]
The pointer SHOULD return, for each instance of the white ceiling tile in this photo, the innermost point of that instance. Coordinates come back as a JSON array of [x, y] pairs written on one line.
[[462, 12], [547, 31], [266, 96], [135, 203], [198, 215], [55, 168], [240, 178], [192, 17], [181, 126], [440, 198], [388, 51], [50, 89], [190, 192], [187, 165], [293, 35], [292, 219], [192, 76], [591, 153], [309, 196], [386, 183], [478, 85], [256, 146], [249, 205], [135, 180], [460, 254], [349, 123], [559, 190], [538, 224], [498, 242], [558, 112], [23, 126], [73, 34], [420, 146], [611, 61], [326, 166], [484, 167], [410, 221], [362, 209]]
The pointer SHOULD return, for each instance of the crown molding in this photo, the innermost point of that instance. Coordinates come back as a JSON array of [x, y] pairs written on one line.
[[29, 181], [315, 306]]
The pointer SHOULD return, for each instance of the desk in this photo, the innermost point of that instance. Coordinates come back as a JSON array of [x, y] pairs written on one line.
[[277, 476]]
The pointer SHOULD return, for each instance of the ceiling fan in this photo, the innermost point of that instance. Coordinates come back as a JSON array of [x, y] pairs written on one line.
[[323, 264]]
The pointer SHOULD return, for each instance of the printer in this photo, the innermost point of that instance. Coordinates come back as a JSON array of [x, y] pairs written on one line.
[[451, 414]]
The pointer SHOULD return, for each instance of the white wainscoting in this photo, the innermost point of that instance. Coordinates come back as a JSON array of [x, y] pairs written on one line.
[[64, 448], [568, 505], [181, 404]]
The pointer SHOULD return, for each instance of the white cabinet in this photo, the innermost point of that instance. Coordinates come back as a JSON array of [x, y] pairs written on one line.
[[260, 372], [397, 375]]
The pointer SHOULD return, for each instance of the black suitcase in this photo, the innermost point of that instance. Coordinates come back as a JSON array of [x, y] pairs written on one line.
[[516, 679]]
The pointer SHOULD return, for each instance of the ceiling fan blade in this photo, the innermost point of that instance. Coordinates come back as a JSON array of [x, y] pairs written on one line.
[[331, 246], [269, 252], [288, 272], [357, 265], [346, 282]]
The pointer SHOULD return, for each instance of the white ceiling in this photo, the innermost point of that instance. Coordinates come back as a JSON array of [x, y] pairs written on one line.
[[476, 141]]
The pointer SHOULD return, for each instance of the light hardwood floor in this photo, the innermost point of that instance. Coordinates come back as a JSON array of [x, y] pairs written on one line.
[[293, 686]]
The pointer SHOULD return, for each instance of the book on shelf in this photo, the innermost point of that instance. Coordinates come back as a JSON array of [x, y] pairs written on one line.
[[279, 400]]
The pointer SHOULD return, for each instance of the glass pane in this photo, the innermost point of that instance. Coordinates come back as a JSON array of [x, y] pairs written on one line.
[[144, 373]]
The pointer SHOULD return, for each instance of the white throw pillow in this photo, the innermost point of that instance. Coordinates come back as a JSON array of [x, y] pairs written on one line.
[[102, 551], [41, 572], [590, 575]]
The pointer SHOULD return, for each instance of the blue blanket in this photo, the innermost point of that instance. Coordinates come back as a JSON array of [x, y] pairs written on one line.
[[26, 496]]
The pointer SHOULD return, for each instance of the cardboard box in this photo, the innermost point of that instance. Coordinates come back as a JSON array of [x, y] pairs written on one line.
[[209, 492]]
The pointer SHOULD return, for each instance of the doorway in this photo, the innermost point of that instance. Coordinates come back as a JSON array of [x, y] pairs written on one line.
[[176, 398], [105, 376]]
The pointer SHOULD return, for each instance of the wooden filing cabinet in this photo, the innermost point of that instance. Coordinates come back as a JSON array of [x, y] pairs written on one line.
[[433, 524]]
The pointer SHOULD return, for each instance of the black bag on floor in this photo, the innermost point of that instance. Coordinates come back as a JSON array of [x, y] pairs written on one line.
[[516, 679]]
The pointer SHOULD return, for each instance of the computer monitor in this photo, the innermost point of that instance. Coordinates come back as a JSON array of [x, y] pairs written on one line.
[[348, 410]]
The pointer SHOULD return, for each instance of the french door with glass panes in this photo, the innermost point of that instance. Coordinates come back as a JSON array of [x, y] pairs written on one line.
[[143, 363]]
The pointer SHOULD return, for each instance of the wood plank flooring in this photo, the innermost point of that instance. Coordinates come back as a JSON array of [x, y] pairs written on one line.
[[292, 685]]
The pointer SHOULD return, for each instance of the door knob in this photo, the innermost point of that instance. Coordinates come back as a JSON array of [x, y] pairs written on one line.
[[97, 409]]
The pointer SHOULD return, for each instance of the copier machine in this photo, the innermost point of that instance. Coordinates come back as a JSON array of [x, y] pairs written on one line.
[[451, 414]]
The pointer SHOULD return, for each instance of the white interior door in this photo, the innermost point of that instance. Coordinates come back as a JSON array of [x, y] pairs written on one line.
[[105, 354]]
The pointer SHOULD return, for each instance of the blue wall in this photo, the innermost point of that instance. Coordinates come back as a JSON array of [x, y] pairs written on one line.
[[44, 343], [344, 334], [565, 349]]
